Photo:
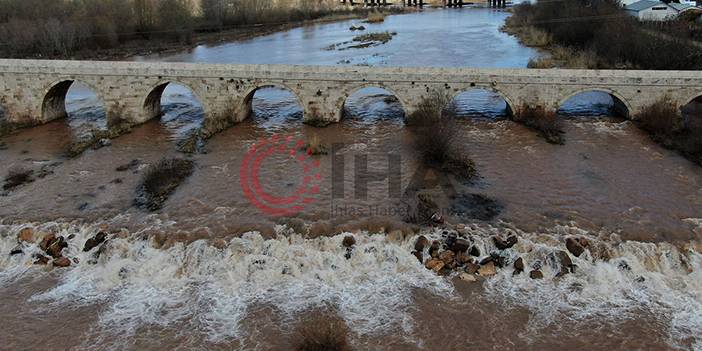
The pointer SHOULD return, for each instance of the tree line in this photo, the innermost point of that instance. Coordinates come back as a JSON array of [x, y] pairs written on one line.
[[59, 28]]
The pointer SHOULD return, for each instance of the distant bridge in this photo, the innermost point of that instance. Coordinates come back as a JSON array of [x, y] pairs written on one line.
[[33, 92]]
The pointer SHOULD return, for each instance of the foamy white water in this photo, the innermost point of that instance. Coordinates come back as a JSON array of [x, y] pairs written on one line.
[[211, 290]]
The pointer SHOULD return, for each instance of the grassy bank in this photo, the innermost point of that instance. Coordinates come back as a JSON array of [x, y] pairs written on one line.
[[598, 34]]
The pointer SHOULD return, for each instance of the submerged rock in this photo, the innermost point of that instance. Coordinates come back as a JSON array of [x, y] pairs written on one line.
[[468, 277]]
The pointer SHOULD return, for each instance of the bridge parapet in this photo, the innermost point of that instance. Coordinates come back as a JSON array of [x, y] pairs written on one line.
[[32, 91]]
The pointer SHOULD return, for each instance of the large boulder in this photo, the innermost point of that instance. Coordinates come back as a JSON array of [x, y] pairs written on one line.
[[503, 244], [434, 249], [25, 235], [535, 274], [62, 262], [576, 246], [421, 243], [463, 258], [56, 246], [487, 269], [349, 241], [448, 257], [46, 241], [460, 245], [93, 242], [474, 251], [472, 268], [435, 264]]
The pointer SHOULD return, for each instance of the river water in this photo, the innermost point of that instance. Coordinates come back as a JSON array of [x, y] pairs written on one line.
[[161, 283]]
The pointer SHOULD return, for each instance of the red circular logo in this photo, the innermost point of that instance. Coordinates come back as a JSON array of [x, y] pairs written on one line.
[[281, 204]]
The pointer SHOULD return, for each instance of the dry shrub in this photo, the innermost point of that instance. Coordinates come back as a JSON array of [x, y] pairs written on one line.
[[322, 335], [663, 122], [659, 119], [160, 181], [437, 139], [314, 146], [542, 120], [17, 176]]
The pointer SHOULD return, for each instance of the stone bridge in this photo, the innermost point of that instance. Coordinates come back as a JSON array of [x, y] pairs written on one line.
[[33, 92]]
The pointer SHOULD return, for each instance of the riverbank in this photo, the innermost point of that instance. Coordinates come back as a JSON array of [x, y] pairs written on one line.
[[145, 47], [152, 47]]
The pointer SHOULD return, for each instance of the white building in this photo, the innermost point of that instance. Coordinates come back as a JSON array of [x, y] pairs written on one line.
[[649, 10]]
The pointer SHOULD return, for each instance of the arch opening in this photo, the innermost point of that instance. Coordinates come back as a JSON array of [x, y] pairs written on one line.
[[79, 104], [272, 107], [373, 104], [593, 103], [178, 109], [479, 103]]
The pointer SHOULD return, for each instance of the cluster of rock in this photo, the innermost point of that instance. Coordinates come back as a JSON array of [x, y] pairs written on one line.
[[52, 247], [457, 251]]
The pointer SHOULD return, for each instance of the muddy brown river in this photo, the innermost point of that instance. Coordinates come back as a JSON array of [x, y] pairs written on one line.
[[211, 271]]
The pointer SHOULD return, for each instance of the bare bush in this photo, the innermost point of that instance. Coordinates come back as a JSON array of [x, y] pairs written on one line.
[[322, 335], [542, 120], [160, 181], [437, 139], [17, 176], [662, 120]]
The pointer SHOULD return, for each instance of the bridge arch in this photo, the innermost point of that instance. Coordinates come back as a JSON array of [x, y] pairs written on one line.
[[245, 108], [621, 107], [509, 107], [357, 88], [53, 105], [152, 106], [696, 97]]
